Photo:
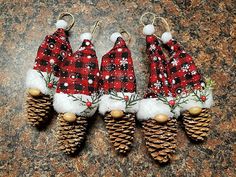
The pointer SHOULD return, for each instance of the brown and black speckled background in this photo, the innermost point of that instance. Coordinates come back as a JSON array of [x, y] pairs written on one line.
[[206, 28]]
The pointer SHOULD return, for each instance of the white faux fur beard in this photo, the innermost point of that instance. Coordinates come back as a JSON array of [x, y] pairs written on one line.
[[107, 104], [35, 80], [192, 102], [64, 103], [150, 107]]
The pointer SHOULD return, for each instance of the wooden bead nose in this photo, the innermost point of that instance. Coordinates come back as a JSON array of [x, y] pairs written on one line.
[[34, 92], [195, 111], [117, 113], [161, 118], [69, 117]]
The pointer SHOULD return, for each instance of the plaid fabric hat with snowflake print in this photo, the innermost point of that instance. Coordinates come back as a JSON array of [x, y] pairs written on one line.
[[78, 83], [117, 78], [184, 76], [51, 53], [158, 99], [117, 72], [158, 79]]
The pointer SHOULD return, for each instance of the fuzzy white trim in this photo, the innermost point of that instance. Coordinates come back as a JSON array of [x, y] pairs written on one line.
[[165, 37], [192, 102], [114, 36], [108, 104], [35, 80], [150, 107], [149, 29], [84, 36], [63, 103]]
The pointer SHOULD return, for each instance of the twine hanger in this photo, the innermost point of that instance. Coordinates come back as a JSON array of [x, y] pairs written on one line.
[[123, 31], [63, 14], [95, 27], [166, 25]]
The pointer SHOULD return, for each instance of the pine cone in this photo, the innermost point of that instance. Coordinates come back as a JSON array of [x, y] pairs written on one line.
[[71, 135], [160, 138], [38, 109], [121, 131], [197, 127]]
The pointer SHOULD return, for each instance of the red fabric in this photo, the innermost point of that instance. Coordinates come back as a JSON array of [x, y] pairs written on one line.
[[117, 72], [80, 72], [158, 79], [183, 73], [55, 47]]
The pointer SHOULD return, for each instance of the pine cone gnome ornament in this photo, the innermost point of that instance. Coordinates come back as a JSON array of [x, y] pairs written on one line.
[[187, 82], [76, 96], [158, 109], [119, 101], [42, 79]]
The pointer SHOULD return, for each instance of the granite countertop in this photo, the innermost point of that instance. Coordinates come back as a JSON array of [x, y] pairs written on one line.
[[207, 29]]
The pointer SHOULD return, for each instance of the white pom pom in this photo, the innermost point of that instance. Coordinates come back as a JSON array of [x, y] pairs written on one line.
[[61, 24], [84, 36], [149, 29], [114, 36], [166, 36]]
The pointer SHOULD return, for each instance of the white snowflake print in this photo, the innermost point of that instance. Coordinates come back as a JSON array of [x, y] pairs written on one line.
[[166, 83], [81, 48], [194, 72], [170, 94], [185, 68], [123, 61], [101, 91], [174, 62], [157, 84], [155, 58], [152, 47]]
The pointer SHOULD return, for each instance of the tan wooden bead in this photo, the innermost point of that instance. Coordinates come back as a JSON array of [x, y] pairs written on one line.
[[34, 92], [195, 111], [117, 113], [161, 118], [69, 117]]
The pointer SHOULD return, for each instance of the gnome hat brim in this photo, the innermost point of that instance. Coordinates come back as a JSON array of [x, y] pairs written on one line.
[[63, 103], [36, 79], [108, 103]]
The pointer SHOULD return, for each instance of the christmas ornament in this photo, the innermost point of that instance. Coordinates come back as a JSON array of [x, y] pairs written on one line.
[[186, 80], [42, 79], [119, 101], [158, 109], [76, 97]]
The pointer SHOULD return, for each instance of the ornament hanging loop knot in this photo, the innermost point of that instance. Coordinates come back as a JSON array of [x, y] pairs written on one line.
[[63, 14], [145, 14]]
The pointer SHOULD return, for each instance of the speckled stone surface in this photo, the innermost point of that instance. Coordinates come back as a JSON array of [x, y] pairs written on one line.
[[207, 29]]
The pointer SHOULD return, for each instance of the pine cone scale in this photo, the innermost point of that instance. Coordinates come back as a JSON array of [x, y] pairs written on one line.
[[160, 139], [121, 131], [70, 135], [38, 109], [197, 127]]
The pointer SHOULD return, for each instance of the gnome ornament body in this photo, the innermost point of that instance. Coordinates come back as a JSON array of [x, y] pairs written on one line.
[[119, 101], [158, 109], [42, 79], [186, 80], [76, 97]]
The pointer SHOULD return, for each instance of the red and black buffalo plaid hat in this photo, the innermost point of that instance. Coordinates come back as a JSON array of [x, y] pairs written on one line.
[[50, 56], [117, 72], [158, 79], [183, 73], [51, 53], [80, 71]]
